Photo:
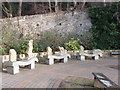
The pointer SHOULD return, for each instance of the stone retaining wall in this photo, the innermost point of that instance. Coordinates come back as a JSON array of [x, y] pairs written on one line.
[[62, 22]]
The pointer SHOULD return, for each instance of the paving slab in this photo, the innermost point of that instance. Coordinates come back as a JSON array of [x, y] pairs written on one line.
[[50, 76]]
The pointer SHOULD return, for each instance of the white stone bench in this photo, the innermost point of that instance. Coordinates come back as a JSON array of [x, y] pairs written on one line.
[[83, 55], [13, 67], [52, 57], [115, 53]]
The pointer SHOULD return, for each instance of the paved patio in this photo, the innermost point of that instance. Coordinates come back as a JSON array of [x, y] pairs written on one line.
[[50, 76]]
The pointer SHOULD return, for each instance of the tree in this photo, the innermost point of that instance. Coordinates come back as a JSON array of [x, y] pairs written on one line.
[[83, 4], [7, 9], [35, 7], [50, 5], [75, 3], [20, 8], [56, 5], [67, 6]]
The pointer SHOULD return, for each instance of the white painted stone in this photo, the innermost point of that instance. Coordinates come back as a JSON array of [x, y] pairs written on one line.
[[81, 48], [96, 57], [49, 51], [65, 59], [12, 55], [52, 57], [29, 50], [13, 67], [62, 50], [5, 58], [82, 58], [22, 56], [98, 51], [32, 65], [51, 61]]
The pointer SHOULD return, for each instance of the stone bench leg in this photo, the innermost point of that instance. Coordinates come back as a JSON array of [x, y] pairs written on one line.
[[65, 60], [51, 61], [32, 65], [96, 57], [82, 58], [13, 69]]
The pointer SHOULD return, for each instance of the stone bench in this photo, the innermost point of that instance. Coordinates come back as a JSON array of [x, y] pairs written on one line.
[[52, 57], [83, 55], [101, 81], [115, 53], [13, 67]]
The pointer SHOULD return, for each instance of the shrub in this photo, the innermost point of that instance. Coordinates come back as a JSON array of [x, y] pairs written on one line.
[[12, 40], [72, 44], [49, 38], [21, 46], [2, 50], [105, 27]]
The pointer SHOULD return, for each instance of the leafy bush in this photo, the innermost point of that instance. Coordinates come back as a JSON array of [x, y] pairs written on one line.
[[12, 40], [106, 26], [21, 46], [2, 50], [49, 38], [72, 44]]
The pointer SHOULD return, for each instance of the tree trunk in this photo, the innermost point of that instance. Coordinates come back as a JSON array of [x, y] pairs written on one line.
[[6, 10], [60, 7], [104, 3], [75, 3], [20, 8], [67, 6], [56, 6], [83, 5], [35, 8], [50, 6]]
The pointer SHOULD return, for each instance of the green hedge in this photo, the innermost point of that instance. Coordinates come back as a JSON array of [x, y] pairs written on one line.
[[106, 26]]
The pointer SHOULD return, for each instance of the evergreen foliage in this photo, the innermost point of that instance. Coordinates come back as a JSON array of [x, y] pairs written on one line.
[[106, 26]]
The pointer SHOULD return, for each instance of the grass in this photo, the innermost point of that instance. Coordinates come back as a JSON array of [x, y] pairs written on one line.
[[77, 82]]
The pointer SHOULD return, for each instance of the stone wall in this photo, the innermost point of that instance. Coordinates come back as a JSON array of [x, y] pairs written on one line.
[[62, 22]]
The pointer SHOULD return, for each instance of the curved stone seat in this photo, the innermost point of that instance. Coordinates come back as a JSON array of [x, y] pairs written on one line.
[[63, 56], [13, 67], [83, 55]]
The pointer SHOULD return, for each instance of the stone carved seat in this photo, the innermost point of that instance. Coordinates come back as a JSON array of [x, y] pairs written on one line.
[[29, 53], [82, 54], [98, 51], [12, 57], [52, 57], [13, 65], [64, 52]]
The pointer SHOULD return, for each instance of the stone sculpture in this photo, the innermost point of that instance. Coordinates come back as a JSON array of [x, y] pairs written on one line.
[[12, 55], [22, 56], [62, 50], [98, 51], [81, 48], [29, 50], [49, 51]]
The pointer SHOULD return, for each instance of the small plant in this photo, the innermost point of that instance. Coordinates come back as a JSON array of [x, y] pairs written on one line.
[[72, 44], [2, 50], [22, 46]]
